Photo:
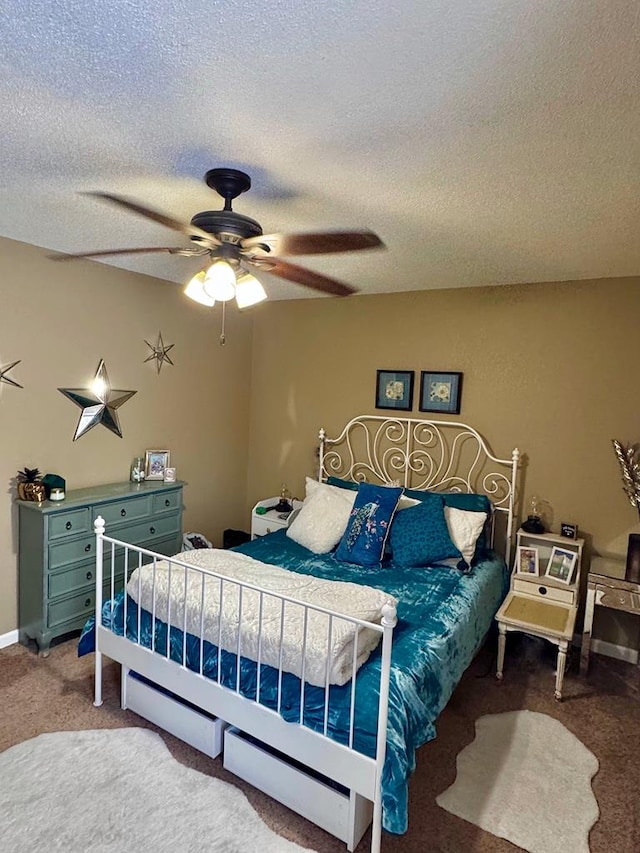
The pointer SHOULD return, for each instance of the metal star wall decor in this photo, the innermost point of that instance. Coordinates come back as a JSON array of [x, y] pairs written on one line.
[[159, 352], [99, 403], [5, 370]]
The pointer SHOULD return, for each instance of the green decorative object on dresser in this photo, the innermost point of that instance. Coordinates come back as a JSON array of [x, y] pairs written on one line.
[[57, 548]]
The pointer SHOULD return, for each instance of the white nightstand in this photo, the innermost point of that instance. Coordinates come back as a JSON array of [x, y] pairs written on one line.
[[271, 520], [540, 605]]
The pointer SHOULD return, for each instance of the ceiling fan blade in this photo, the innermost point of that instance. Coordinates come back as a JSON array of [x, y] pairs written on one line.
[[301, 275], [63, 256], [183, 227], [319, 243]]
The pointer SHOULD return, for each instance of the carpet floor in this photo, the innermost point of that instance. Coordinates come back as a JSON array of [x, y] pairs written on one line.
[[55, 694]]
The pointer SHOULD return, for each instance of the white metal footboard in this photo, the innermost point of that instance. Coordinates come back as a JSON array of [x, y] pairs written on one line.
[[115, 562]]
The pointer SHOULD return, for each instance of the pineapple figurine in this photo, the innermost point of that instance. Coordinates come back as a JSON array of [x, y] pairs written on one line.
[[30, 485]]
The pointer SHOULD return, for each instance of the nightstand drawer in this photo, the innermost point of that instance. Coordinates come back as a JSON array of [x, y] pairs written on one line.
[[263, 524], [69, 523], [125, 510], [543, 590], [618, 599]]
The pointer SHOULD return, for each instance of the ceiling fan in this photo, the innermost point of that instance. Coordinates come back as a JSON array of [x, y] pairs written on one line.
[[236, 249]]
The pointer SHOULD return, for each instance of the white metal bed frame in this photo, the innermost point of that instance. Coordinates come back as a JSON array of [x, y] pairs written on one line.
[[421, 454]]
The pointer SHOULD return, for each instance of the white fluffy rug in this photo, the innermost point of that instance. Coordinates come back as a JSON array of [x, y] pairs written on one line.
[[526, 778], [120, 791]]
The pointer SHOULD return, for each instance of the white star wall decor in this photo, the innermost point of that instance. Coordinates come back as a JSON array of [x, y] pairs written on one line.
[[159, 352], [99, 403], [5, 370]]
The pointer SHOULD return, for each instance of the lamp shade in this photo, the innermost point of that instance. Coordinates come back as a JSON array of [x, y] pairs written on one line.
[[195, 290], [249, 291], [220, 281]]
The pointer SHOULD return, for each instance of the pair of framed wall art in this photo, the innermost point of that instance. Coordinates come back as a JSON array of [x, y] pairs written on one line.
[[560, 565], [440, 391]]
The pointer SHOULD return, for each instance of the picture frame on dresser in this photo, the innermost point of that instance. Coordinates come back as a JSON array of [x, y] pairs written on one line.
[[440, 391], [561, 565], [155, 464], [527, 561]]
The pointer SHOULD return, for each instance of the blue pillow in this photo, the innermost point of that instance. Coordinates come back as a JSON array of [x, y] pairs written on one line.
[[343, 484], [469, 501], [364, 539], [420, 535]]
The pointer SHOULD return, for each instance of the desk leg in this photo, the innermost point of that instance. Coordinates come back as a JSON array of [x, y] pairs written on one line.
[[586, 631], [502, 641], [562, 661]]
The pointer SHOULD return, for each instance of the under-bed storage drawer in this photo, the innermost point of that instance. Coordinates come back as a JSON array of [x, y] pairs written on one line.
[[344, 816], [190, 725]]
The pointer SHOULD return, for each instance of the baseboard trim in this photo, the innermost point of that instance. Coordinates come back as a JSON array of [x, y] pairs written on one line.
[[613, 650], [8, 639]]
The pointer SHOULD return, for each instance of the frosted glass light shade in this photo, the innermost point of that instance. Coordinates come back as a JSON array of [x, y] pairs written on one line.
[[195, 290], [249, 291], [220, 281]]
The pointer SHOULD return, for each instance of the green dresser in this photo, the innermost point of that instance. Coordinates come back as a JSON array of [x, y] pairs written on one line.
[[57, 549]]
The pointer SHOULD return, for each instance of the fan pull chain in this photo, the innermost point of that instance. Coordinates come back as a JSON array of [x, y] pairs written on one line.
[[223, 338]]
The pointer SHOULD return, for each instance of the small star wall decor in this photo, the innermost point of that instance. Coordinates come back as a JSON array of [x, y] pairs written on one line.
[[5, 370], [159, 352], [99, 403]]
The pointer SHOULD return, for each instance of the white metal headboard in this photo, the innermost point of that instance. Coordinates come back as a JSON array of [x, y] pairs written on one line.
[[419, 454]]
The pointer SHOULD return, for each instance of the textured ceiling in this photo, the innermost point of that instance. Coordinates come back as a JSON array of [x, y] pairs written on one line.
[[485, 141]]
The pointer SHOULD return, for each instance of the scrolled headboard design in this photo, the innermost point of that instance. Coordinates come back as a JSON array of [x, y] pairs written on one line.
[[422, 454]]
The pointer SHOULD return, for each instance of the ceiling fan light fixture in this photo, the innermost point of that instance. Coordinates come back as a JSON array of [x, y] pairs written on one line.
[[249, 291], [220, 281], [195, 290]]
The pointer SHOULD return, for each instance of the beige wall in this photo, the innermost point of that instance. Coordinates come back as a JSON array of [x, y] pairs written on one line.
[[60, 320], [550, 368]]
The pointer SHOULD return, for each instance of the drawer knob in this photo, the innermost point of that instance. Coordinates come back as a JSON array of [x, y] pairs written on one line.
[[152, 530], [87, 602], [89, 575], [167, 502], [68, 525], [542, 590], [123, 512], [87, 548]]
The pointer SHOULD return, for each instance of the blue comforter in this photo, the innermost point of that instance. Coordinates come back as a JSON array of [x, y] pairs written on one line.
[[443, 615]]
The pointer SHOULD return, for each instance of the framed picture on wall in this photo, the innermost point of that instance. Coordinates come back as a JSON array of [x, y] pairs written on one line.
[[394, 389], [155, 463], [440, 392]]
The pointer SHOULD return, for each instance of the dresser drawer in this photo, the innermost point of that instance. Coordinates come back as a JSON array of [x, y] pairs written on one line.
[[80, 577], [146, 531], [69, 523], [80, 605], [124, 510], [75, 551], [542, 590], [166, 501]]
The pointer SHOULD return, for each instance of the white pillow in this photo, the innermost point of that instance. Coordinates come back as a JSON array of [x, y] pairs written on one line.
[[464, 528], [323, 517]]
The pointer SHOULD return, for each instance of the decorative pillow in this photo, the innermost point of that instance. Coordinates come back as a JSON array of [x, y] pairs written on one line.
[[369, 522], [323, 517], [420, 535], [464, 528], [352, 486], [470, 501]]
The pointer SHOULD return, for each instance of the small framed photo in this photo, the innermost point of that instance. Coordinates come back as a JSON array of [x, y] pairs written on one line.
[[169, 475], [394, 389], [440, 392], [527, 562], [155, 463], [561, 565], [569, 530]]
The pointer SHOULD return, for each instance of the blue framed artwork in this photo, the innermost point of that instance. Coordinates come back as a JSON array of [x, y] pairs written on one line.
[[440, 392], [394, 389]]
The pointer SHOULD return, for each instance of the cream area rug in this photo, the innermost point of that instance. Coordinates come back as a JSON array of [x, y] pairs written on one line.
[[120, 791], [526, 778]]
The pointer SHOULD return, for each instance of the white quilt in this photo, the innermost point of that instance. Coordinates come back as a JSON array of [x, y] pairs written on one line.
[[275, 645]]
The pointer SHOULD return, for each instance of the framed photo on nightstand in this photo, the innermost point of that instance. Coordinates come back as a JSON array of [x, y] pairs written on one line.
[[527, 562], [561, 565]]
